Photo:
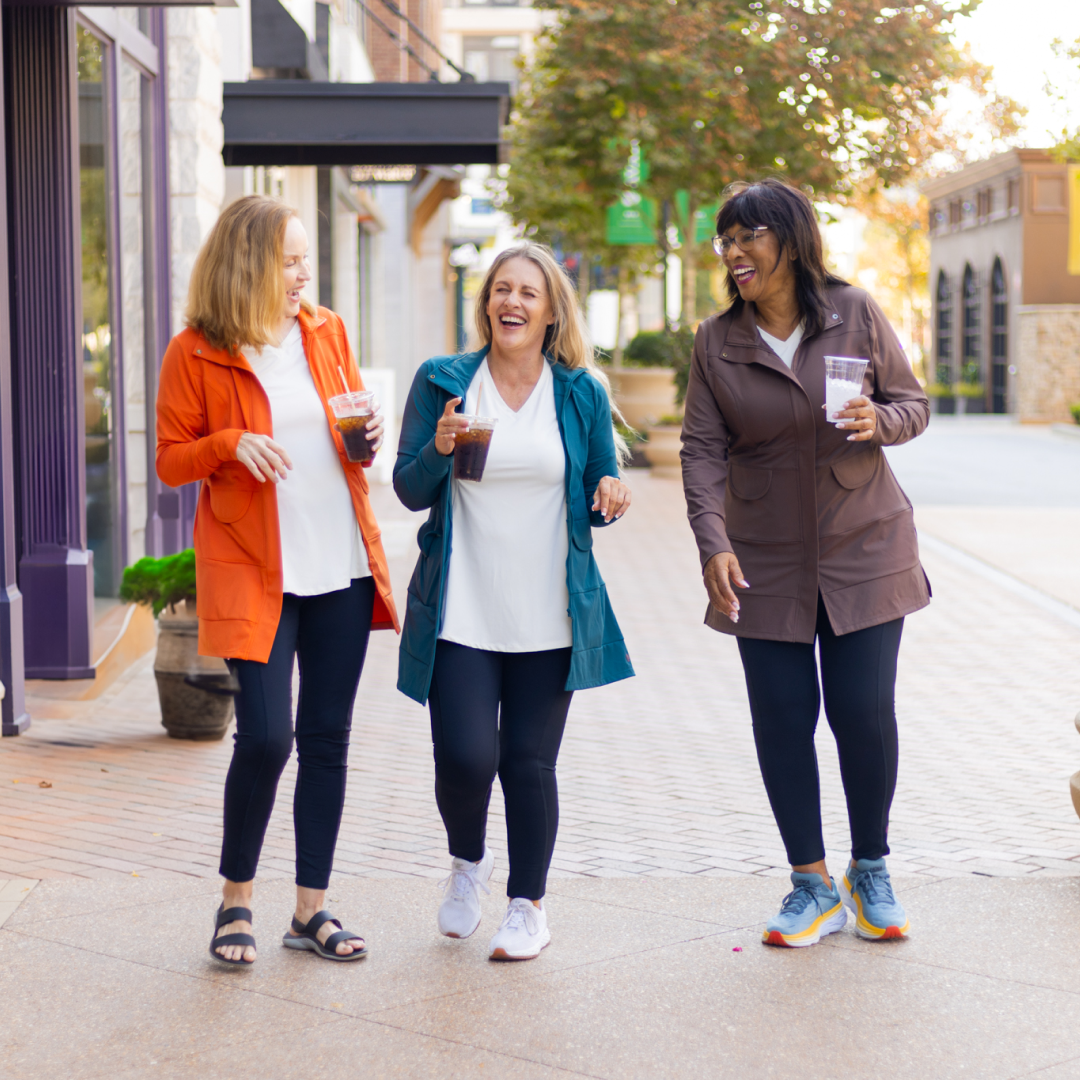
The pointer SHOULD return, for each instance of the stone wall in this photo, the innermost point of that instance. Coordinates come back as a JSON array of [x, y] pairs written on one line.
[[1049, 362], [196, 136]]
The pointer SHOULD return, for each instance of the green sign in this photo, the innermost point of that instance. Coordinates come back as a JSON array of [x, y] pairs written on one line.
[[633, 219]]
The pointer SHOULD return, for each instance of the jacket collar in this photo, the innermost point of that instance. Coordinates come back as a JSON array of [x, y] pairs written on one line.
[[455, 373], [308, 325]]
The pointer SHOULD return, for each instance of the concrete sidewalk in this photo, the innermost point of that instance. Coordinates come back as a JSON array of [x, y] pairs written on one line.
[[645, 979], [667, 863]]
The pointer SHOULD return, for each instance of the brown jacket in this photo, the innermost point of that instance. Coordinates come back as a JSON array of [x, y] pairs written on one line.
[[767, 477]]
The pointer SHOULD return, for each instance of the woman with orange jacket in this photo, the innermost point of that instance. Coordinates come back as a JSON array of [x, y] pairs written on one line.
[[288, 560]]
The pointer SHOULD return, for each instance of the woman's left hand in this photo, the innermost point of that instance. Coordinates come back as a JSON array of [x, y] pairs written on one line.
[[859, 417], [376, 427], [611, 498]]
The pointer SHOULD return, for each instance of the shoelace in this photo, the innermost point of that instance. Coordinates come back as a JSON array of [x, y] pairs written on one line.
[[877, 886], [459, 883], [521, 915], [797, 901]]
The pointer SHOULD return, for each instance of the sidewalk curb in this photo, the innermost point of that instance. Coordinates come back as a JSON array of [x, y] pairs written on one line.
[[1066, 612], [13, 891]]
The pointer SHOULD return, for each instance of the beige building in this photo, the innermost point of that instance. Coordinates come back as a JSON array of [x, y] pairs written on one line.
[[1006, 325]]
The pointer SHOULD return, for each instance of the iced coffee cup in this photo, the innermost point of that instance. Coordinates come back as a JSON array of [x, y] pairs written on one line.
[[843, 381], [353, 411], [471, 448]]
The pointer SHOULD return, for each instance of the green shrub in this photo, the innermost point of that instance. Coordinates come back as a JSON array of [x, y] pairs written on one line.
[[939, 390], [1075, 410], [161, 583], [661, 348], [970, 390]]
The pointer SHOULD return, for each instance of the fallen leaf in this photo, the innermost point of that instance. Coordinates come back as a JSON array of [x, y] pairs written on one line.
[[155, 834], [45, 783], [738, 948], [104, 770], [133, 874], [336, 1005], [14, 781]]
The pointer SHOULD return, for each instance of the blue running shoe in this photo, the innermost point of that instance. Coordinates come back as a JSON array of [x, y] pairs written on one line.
[[809, 912], [867, 890]]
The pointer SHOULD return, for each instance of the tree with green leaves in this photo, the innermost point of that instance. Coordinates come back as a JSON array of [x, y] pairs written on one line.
[[839, 96]]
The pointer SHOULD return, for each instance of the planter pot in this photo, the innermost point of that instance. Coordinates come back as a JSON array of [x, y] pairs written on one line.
[[662, 451], [944, 406], [186, 711], [644, 394], [973, 406]]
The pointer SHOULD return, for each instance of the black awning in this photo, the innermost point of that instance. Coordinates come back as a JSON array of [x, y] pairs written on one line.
[[295, 122]]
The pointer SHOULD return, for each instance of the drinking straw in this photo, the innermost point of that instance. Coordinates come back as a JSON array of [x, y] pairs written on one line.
[[343, 382], [479, 398]]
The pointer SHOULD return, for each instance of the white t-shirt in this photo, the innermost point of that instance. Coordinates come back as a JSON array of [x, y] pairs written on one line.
[[784, 349], [321, 546], [506, 586]]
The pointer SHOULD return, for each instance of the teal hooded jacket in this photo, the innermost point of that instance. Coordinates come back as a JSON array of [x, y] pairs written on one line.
[[422, 482]]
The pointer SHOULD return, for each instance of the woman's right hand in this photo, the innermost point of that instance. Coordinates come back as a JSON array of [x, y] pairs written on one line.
[[720, 571], [264, 458], [450, 423]]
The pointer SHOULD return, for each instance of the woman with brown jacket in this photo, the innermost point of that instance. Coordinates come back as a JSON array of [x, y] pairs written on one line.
[[288, 560], [804, 535]]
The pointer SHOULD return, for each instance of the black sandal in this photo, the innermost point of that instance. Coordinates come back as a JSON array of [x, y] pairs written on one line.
[[221, 917], [304, 937]]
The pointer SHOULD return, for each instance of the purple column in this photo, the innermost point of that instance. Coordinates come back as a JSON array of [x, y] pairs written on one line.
[[55, 568], [15, 719]]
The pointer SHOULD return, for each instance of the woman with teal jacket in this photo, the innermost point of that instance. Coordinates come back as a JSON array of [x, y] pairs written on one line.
[[507, 614]]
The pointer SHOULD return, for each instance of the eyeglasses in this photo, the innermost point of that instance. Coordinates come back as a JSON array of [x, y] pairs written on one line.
[[744, 241]]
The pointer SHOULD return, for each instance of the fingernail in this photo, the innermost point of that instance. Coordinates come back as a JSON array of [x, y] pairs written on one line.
[[734, 616]]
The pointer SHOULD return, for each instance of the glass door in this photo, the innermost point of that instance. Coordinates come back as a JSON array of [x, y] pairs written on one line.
[[103, 491]]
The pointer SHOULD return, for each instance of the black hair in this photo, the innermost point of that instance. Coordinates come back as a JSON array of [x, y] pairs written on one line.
[[790, 217]]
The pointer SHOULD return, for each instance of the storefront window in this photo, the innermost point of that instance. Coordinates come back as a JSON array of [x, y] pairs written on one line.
[[134, 105], [102, 465]]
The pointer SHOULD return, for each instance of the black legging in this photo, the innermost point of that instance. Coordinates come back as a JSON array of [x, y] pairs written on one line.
[[329, 635], [858, 676], [474, 739]]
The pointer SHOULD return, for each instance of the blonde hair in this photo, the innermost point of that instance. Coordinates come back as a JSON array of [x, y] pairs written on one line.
[[567, 340], [235, 296]]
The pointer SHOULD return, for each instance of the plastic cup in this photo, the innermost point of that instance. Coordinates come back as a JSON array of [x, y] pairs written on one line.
[[471, 448], [843, 381], [353, 411]]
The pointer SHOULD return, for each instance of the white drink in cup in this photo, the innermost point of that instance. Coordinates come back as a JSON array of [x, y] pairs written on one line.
[[843, 381]]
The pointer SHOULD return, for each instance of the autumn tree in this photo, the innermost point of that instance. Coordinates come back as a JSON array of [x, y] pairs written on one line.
[[840, 96]]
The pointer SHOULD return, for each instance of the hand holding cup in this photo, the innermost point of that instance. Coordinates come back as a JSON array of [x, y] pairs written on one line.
[[450, 423]]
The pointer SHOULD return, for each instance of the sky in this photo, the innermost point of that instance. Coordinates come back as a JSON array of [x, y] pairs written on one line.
[[1014, 37]]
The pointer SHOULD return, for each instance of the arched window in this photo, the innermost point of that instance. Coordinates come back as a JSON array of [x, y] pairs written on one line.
[[943, 359], [999, 338], [971, 371]]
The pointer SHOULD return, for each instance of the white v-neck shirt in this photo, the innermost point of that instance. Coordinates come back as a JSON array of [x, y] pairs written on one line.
[[784, 349], [506, 584], [321, 546]]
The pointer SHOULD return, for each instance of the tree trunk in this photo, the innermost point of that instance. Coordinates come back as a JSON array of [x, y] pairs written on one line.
[[689, 283], [624, 288]]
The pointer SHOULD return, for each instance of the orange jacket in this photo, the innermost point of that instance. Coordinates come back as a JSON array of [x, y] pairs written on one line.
[[206, 400]]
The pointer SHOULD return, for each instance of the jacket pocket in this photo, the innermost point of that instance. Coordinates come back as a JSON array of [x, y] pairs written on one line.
[[229, 590], [231, 490], [858, 469], [764, 505], [749, 483], [581, 535]]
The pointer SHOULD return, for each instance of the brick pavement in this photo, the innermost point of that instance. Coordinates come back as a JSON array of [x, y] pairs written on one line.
[[658, 775]]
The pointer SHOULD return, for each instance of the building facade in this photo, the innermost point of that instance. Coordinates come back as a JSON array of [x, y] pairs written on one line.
[[1006, 311], [120, 150]]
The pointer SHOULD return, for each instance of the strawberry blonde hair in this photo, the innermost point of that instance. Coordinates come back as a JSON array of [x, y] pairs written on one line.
[[236, 295], [567, 340]]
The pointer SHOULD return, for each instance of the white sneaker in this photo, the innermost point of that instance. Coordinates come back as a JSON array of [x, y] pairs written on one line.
[[459, 913], [524, 932]]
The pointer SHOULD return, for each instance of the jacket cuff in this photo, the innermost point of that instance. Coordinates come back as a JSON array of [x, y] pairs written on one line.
[[214, 450], [712, 538], [431, 461]]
